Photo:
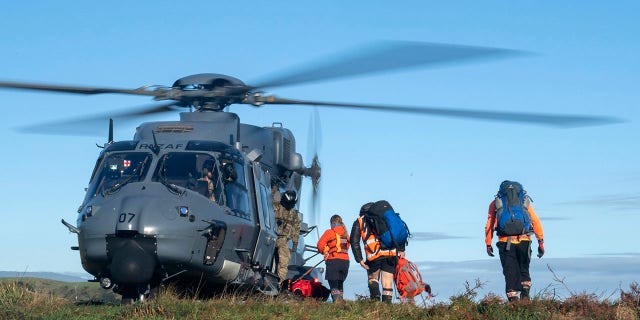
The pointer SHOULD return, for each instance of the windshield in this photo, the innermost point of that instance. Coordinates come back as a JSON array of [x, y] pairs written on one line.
[[118, 169], [220, 180], [194, 171]]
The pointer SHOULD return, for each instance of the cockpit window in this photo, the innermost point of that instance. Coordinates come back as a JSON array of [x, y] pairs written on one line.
[[194, 171], [119, 169]]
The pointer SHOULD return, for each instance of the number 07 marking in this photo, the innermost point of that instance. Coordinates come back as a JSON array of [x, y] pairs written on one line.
[[123, 217]]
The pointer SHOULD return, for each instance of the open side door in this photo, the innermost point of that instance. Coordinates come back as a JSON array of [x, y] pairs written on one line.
[[266, 244]]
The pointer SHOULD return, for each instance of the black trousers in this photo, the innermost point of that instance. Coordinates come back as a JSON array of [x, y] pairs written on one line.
[[337, 270], [515, 264]]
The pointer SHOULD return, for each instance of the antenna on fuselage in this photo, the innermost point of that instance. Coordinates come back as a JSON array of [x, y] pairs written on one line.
[[156, 147], [109, 137]]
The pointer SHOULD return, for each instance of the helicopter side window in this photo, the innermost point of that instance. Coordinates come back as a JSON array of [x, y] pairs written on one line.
[[236, 195], [266, 206], [118, 169]]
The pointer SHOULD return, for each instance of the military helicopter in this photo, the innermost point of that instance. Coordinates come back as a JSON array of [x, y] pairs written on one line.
[[190, 202]]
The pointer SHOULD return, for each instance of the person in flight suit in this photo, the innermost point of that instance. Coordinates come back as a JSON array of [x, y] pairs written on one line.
[[288, 229]]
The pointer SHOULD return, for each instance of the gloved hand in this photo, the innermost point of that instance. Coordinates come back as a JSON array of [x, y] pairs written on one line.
[[427, 288], [540, 248], [490, 250]]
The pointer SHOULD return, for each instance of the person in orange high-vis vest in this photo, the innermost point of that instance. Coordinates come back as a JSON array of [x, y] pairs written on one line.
[[380, 263], [334, 245], [515, 252]]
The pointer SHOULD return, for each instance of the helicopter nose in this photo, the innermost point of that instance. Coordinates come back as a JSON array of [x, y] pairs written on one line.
[[132, 263]]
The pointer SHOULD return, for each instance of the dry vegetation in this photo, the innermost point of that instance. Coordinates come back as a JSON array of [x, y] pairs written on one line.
[[27, 299]]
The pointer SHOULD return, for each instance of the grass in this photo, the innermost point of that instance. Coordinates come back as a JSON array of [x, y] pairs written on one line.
[[29, 298]]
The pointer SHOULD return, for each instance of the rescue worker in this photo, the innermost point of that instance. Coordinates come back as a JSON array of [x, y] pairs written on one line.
[[207, 176], [288, 229], [229, 173], [380, 263], [515, 251], [334, 245]]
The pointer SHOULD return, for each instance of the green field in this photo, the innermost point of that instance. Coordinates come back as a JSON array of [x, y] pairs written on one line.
[[34, 298]]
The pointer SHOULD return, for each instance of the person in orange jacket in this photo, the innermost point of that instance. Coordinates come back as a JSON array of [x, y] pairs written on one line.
[[514, 250], [334, 245]]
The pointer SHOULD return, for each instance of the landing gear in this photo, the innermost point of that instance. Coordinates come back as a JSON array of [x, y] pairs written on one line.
[[135, 293]]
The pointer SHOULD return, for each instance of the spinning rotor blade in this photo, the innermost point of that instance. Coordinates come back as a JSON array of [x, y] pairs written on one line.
[[385, 56], [555, 120], [75, 89], [314, 171], [95, 125]]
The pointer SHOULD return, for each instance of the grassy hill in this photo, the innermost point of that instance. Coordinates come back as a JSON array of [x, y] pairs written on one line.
[[75, 292], [32, 298]]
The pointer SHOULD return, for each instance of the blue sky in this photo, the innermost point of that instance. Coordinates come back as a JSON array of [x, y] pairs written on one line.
[[439, 173]]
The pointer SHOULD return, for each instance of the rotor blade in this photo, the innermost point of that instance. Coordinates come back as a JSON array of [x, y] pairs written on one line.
[[74, 89], [314, 169], [385, 56], [95, 125], [555, 120]]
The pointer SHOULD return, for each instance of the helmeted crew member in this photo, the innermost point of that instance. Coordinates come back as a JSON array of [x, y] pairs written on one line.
[[334, 245], [288, 229], [515, 252], [380, 263]]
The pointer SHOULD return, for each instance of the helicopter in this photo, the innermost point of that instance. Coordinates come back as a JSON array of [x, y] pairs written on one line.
[[191, 202]]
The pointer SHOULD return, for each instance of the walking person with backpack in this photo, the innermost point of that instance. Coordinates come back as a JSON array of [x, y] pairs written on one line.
[[334, 245], [512, 216], [381, 256]]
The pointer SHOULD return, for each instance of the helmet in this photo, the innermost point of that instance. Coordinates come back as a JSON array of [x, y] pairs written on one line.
[[288, 199], [228, 171]]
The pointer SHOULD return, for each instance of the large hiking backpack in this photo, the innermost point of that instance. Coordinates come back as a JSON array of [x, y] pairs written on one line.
[[386, 224], [512, 213], [408, 279]]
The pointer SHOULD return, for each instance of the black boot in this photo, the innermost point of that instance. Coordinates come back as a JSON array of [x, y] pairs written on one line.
[[526, 287], [374, 290], [386, 298]]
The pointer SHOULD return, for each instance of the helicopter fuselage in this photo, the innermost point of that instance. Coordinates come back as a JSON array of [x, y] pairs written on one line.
[[188, 202]]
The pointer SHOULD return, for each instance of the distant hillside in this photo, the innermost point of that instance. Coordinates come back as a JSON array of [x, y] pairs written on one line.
[[64, 277]]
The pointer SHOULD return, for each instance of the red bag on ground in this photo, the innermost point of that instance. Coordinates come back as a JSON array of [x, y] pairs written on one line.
[[302, 288], [308, 289]]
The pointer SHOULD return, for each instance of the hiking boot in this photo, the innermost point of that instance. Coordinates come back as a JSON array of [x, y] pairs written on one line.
[[336, 295], [513, 296], [526, 287], [374, 290]]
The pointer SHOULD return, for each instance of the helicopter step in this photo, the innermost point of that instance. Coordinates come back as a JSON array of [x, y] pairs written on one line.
[[269, 285]]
